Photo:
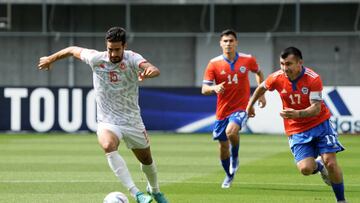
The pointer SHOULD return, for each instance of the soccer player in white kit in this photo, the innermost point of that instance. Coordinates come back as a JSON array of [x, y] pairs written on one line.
[[116, 73]]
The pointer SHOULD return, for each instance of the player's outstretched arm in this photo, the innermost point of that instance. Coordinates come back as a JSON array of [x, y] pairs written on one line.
[[259, 92], [46, 61]]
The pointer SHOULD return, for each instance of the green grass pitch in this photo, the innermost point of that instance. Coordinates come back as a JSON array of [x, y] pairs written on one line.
[[62, 168]]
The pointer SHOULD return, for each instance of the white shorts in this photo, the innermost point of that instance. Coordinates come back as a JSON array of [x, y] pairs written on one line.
[[134, 138]]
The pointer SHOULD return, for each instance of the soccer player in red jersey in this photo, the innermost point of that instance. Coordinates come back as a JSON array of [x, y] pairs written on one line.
[[306, 119], [227, 76]]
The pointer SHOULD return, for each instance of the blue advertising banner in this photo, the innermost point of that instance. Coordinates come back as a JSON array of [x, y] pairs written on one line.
[[45, 109], [182, 110]]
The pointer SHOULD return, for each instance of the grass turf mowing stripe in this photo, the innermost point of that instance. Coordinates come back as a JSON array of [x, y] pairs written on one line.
[[67, 168]]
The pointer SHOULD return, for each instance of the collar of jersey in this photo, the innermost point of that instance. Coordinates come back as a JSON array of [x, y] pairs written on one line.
[[232, 64], [293, 82]]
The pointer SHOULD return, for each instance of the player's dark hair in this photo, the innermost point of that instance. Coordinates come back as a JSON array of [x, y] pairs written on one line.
[[116, 34], [291, 51], [228, 32]]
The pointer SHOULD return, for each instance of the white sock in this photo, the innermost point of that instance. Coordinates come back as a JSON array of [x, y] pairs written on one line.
[[118, 166], [151, 175]]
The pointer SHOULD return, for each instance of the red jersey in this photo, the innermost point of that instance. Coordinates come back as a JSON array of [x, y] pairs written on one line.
[[237, 85], [297, 95]]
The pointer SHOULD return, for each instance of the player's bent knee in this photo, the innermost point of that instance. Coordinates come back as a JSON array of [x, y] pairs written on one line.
[[306, 170], [231, 133], [108, 146]]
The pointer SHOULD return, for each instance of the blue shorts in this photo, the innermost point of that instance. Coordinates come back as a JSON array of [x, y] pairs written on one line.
[[219, 132], [318, 140]]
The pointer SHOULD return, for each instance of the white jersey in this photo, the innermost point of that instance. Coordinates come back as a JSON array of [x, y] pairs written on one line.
[[116, 87]]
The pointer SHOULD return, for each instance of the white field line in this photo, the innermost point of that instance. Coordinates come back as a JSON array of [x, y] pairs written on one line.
[[164, 182]]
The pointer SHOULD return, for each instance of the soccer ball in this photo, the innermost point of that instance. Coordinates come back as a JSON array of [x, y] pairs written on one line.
[[116, 197]]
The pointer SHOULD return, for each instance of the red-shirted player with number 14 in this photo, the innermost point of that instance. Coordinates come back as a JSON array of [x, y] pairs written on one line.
[[227, 76]]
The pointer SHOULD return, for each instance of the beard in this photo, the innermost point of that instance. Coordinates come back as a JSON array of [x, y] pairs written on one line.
[[115, 59]]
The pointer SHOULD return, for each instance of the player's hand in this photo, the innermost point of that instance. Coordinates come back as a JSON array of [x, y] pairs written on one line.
[[219, 89], [44, 63], [143, 75], [289, 113], [250, 111], [148, 72], [262, 101]]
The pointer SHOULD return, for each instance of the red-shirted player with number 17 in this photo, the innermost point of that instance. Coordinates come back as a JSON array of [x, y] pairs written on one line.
[[306, 119]]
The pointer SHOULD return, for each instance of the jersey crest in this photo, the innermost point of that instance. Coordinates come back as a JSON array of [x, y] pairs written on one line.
[[242, 69], [305, 90]]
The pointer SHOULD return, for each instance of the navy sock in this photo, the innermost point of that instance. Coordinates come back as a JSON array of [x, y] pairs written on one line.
[[338, 189], [319, 167], [226, 165], [235, 153]]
